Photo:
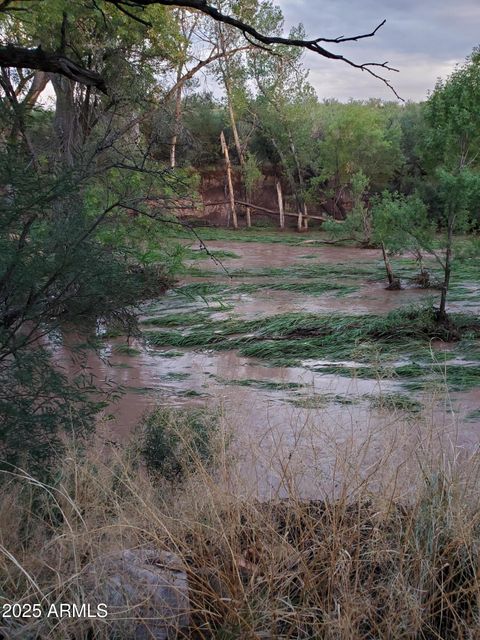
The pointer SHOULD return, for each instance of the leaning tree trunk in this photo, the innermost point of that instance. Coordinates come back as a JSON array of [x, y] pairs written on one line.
[[228, 170], [280, 204], [442, 312], [39, 82], [302, 222], [393, 282], [177, 118], [233, 123]]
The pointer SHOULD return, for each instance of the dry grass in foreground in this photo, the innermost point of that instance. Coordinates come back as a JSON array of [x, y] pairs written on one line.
[[362, 566]]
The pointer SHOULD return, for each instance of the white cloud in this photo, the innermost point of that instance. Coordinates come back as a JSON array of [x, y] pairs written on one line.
[[417, 76], [424, 40]]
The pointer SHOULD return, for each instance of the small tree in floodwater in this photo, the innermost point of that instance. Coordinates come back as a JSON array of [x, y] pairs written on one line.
[[457, 192], [401, 223], [450, 148]]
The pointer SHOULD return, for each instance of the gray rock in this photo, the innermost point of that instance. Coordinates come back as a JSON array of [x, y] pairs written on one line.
[[145, 590]]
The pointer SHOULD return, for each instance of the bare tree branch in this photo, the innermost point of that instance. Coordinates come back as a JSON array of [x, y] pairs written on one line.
[[23, 58], [372, 68], [198, 67]]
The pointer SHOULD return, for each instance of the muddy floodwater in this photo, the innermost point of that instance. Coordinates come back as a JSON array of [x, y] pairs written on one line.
[[301, 425]]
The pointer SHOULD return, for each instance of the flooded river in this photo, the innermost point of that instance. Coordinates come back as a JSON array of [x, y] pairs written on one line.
[[300, 424]]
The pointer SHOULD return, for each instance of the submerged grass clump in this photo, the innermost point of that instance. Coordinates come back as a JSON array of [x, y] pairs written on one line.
[[321, 400], [460, 377], [312, 288], [126, 350], [395, 402], [253, 235], [377, 341], [169, 354], [267, 385], [177, 319], [215, 254], [177, 375], [313, 271], [202, 289], [306, 335]]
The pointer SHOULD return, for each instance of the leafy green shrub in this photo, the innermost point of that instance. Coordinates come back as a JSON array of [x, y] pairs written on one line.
[[175, 440]]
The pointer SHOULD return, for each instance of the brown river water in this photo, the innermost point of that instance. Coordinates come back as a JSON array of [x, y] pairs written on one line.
[[280, 448]]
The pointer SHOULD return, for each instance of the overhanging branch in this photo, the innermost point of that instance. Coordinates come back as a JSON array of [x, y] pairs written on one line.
[[23, 58], [372, 68]]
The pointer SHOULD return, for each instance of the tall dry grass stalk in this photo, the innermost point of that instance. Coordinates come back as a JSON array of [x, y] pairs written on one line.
[[386, 548]]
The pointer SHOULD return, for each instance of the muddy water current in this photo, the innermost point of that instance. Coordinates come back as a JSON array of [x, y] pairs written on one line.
[[300, 428]]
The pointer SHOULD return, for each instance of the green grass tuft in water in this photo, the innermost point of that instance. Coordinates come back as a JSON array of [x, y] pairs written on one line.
[[268, 385], [177, 319], [377, 341], [177, 375], [126, 350], [217, 254]]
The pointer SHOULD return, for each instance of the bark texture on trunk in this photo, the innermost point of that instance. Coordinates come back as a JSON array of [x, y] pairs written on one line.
[[177, 118], [65, 122]]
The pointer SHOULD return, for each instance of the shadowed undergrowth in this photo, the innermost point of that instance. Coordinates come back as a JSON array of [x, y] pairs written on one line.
[[367, 564]]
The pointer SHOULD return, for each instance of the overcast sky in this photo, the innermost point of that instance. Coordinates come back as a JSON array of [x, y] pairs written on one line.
[[424, 39]]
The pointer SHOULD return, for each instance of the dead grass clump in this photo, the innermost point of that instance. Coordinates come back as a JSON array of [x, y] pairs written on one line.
[[364, 565]]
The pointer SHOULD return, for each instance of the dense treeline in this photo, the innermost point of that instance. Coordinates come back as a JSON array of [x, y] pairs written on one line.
[[91, 176]]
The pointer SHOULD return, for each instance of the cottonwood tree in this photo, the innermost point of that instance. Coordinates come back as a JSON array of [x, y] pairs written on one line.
[[352, 138], [282, 110], [232, 72], [202, 45]]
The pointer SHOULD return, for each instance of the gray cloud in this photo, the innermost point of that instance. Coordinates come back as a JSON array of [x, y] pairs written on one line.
[[424, 40]]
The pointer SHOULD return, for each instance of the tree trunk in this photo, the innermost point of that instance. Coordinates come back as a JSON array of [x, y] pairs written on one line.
[[65, 122], [233, 121], [393, 283], [442, 312], [367, 228], [299, 220], [228, 169], [280, 204], [176, 122], [302, 207], [288, 174], [39, 82]]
